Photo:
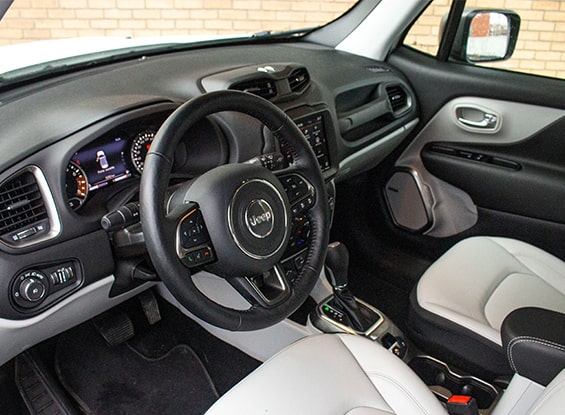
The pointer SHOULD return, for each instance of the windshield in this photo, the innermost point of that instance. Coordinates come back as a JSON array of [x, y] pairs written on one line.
[[42, 36]]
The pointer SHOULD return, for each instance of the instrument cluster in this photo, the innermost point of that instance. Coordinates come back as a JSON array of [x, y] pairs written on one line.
[[115, 156], [104, 163], [119, 155]]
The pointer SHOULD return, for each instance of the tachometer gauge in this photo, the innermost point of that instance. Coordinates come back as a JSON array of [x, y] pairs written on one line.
[[76, 185], [140, 147]]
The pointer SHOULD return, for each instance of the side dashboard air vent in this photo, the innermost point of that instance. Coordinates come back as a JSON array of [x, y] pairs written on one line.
[[265, 88], [26, 217], [398, 98], [299, 79]]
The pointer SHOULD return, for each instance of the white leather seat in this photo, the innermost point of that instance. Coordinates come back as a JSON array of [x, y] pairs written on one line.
[[331, 374], [478, 282], [347, 374]]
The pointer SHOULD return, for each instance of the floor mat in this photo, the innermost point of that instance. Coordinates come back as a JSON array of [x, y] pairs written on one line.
[[122, 380]]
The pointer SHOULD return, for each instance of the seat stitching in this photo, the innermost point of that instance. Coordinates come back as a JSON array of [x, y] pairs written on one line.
[[399, 386], [529, 339]]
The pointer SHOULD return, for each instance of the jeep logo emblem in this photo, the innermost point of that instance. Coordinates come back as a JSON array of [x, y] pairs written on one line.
[[259, 218]]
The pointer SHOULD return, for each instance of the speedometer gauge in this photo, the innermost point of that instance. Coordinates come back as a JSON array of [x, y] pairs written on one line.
[[76, 185], [140, 147]]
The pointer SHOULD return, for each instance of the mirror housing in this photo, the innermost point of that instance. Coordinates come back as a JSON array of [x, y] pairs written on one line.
[[486, 35]]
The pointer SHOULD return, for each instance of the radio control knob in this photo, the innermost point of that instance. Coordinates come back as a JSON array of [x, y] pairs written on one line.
[[32, 289]]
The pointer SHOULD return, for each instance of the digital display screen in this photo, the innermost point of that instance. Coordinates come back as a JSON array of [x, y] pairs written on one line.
[[104, 163]]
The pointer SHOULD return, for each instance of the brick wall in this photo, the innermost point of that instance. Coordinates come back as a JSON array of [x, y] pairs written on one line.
[[541, 41], [540, 48], [50, 19]]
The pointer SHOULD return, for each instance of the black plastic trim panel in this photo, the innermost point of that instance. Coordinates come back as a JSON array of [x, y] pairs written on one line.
[[92, 253], [455, 344]]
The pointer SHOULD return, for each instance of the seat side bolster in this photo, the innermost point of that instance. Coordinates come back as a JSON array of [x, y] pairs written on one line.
[[401, 388]]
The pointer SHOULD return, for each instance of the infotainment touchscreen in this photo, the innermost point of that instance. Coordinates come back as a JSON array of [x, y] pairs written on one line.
[[104, 163]]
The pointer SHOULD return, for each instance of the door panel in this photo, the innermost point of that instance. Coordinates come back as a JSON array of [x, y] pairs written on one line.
[[489, 153], [472, 162]]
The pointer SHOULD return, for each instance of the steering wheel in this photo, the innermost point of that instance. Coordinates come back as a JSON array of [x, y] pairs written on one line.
[[236, 220]]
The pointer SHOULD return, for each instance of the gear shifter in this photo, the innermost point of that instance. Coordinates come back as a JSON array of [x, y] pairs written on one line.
[[337, 263], [337, 260]]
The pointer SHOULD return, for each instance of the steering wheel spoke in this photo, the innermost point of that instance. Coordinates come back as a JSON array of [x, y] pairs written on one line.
[[266, 290]]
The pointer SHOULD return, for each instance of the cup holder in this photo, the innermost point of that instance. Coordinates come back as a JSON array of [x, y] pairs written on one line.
[[438, 376]]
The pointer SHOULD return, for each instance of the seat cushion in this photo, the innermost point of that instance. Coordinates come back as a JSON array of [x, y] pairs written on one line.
[[552, 400], [479, 281], [331, 374]]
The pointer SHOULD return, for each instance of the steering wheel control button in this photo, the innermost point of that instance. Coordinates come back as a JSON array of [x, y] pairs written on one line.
[[199, 257], [192, 231], [293, 265], [193, 241], [296, 187], [260, 218]]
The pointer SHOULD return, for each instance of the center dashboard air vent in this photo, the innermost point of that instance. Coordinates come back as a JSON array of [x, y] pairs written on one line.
[[265, 88], [299, 79], [398, 99], [24, 212], [275, 82]]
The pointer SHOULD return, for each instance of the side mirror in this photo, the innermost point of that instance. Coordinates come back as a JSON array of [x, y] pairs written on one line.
[[486, 35]]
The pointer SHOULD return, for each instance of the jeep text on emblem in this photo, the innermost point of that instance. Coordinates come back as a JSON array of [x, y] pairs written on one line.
[[259, 218]]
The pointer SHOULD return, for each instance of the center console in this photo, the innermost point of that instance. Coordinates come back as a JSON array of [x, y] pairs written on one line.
[[330, 319], [342, 312]]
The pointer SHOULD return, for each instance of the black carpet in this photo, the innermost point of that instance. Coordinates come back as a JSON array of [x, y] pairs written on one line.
[[138, 377]]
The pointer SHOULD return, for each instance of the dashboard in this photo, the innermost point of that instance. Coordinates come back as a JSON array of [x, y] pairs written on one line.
[[119, 154], [80, 156]]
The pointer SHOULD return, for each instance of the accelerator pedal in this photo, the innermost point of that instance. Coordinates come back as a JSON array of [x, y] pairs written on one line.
[[150, 307]]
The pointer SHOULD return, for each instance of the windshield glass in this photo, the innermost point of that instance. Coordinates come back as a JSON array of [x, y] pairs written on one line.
[[41, 36]]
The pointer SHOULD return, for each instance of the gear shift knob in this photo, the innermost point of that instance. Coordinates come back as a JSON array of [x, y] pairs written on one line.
[[337, 260]]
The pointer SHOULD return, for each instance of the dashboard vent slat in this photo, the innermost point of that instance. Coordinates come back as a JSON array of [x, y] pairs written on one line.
[[265, 88], [377, 68], [299, 79], [21, 203], [398, 98]]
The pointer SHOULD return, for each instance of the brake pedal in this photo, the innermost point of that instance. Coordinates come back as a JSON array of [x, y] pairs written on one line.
[[116, 328], [150, 307]]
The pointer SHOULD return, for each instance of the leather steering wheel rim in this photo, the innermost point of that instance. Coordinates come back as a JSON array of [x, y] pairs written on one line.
[[157, 226]]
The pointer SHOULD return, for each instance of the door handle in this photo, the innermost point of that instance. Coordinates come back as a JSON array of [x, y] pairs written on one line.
[[477, 119], [488, 121]]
